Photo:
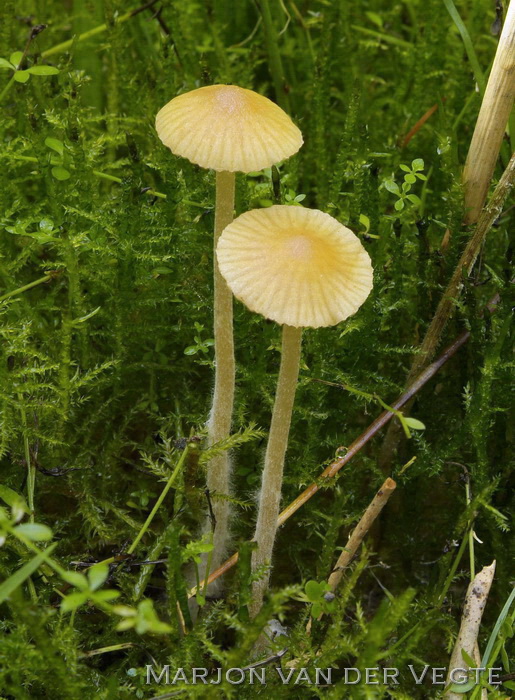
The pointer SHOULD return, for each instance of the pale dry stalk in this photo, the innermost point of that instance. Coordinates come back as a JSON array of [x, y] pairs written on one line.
[[475, 601], [491, 123]]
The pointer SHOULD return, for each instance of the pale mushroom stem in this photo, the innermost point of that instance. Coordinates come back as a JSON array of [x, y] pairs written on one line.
[[219, 426], [270, 495]]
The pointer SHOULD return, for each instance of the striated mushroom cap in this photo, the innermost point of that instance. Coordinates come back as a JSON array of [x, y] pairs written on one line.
[[225, 127], [296, 266]]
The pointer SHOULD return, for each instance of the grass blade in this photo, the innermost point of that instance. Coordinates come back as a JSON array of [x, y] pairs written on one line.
[[15, 581], [467, 42]]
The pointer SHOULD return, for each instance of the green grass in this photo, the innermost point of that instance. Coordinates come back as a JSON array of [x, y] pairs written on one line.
[[105, 281]]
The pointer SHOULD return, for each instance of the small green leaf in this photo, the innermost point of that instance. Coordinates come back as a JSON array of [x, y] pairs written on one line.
[[74, 578], [399, 205], [55, 145], [21, 76], [18, 510], [97, 574], [191, 350], [34, 531], [405, 168], [60, 173], [124, 611], [126, 624], [417, 164], [16, 57], [11, 497], [414, 424], [410, 178], [392, 186], [314, 590], [364, 221], [5, 64], [316, 610], [104, 596], [148, 621], [414, 199], [73, 601], [43, 70]]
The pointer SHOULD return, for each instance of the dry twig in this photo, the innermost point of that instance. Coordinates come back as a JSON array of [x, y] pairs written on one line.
[[358, 535], [361, 529]]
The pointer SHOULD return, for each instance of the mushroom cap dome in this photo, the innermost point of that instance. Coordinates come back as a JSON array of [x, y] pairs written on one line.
[[226, 127], [296, 266]]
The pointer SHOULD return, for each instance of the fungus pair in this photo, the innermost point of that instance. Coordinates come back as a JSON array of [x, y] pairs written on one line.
[[296, 266], [225, 128]]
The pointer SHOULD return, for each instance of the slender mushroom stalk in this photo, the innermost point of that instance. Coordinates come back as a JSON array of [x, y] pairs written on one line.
[[220, 419], [228, 129], [271, 484], [300, 268]]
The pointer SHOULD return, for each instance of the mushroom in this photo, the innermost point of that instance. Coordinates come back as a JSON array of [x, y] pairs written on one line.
[[300, 268], [228, 129]]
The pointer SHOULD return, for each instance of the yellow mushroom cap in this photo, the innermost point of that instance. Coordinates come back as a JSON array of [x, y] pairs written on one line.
[[296, 266], [225, 127]]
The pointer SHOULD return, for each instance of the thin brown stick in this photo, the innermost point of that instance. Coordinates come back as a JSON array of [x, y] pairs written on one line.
[[354, 448], [416, 127], [491, 123], [358, 535], [447, 302]]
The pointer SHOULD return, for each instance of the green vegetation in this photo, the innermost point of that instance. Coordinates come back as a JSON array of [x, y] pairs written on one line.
[[106, 366]]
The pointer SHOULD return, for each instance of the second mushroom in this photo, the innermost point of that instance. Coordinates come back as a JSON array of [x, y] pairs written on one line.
[[301, 268]]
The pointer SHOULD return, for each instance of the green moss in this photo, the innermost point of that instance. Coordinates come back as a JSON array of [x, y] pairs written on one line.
[[95, 381]]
